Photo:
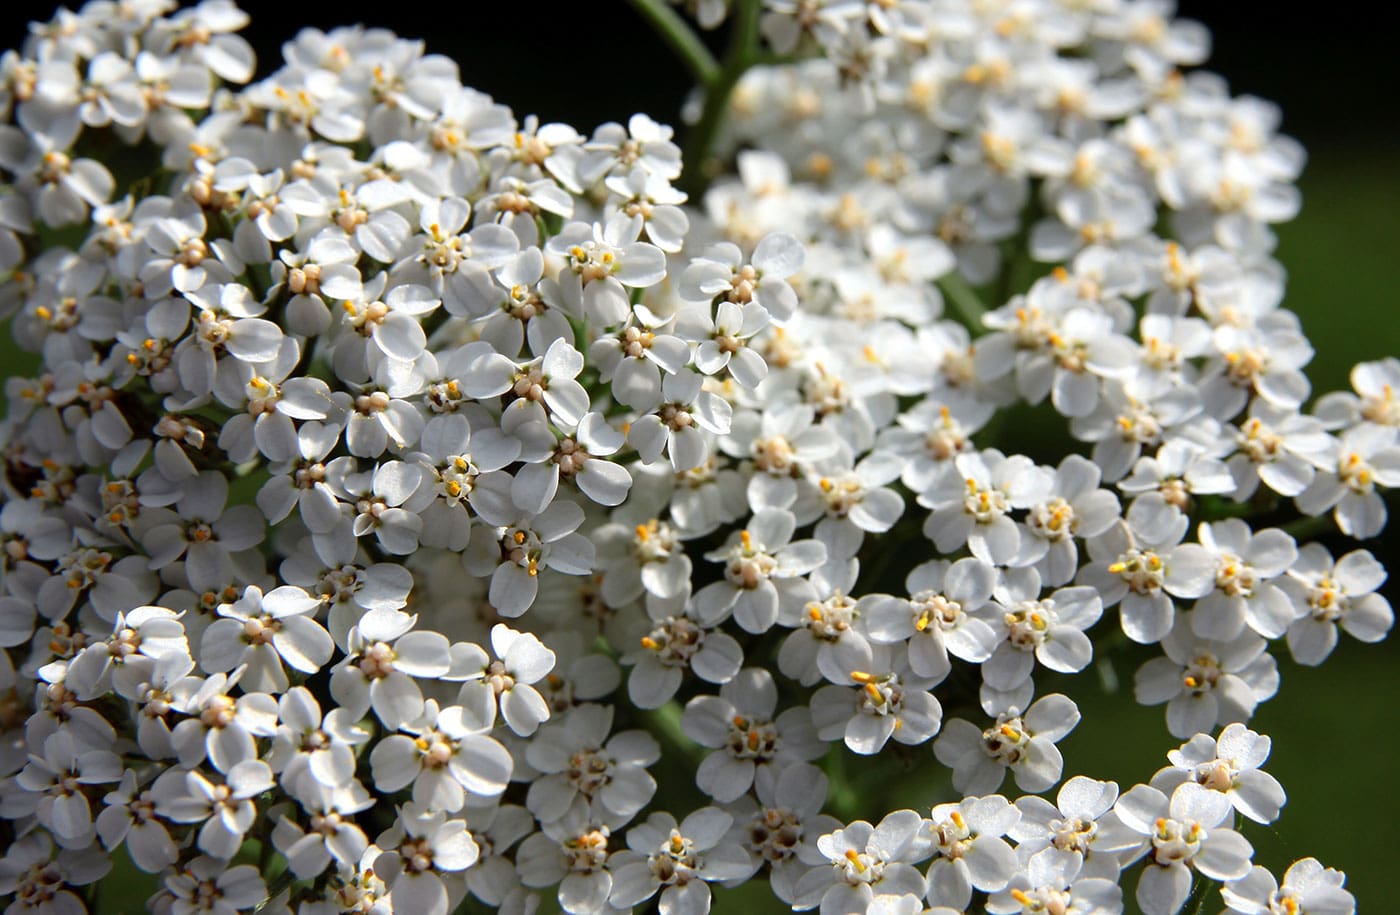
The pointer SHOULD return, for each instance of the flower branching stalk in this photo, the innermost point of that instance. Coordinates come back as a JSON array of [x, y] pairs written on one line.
[[689, 48], [715, 79]]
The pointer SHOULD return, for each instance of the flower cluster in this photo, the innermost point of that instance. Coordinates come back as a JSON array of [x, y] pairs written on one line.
[[403, 480]]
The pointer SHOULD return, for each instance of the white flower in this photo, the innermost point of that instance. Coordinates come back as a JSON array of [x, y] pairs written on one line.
[[1334, 594], [572, 852], [53, 786], [1164, 487], [741, 727], [762, 281], [865, 861], [421, 848], [524, 545], [454, 263], [522, 316], [1031, 628], [381, 660], [830, 638], [632, 358], [1368, 457], [1245, 561], [1075, 508], [129, 818], [680, 422], [67, 187], [676, 644], [204, 33], [263, 632], [785, 824], [580, 458], [856, 501], [1307, 887], [647, 558], [763, 571], [678, 859], [971, 503], [222, 727], [1206, 682], [332, 834], [186, 262], [1048, 889], [447, 757], [227, 811], [205, 534], [1228, 764], [868, 708], [1376, 385], [940, 617], [1078, 834], [208, 884], [1142, 577], [142, 639], [508, 682], [602, 261], [782, 443], [642, 145], [308, 745], [651, 197], [577, 759], [1280, 448], [1185, 832], [969, 852], [1023, 743], [724, 340]]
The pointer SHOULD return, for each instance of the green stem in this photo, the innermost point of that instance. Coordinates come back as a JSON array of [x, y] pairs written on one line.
[[843, 800], [1017, 269], [680, 36], [965, 301], [742, 51], [665, 724], [275, 887], [1196, 903], [1309, 527]]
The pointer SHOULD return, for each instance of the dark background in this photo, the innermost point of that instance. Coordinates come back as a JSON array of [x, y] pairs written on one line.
[[1334, 728], [595, 60]]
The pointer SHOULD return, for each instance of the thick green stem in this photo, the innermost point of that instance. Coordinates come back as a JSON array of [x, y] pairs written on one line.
[[677, 33], [741, 54], [965, 301]]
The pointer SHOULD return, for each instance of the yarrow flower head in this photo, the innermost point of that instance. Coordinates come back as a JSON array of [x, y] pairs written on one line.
[[368, 436]]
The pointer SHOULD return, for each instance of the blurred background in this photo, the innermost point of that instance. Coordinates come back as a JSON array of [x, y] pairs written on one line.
[[1334, 728]]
